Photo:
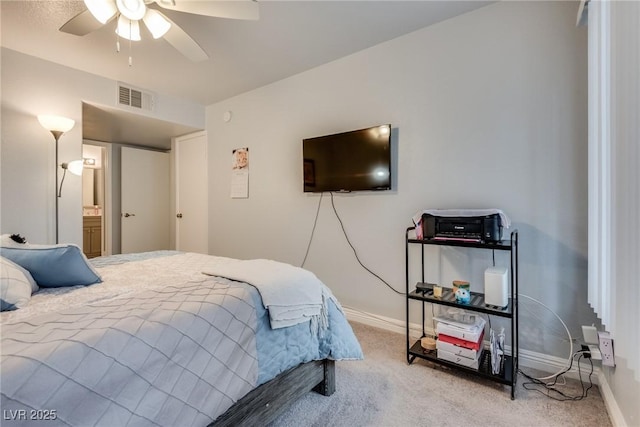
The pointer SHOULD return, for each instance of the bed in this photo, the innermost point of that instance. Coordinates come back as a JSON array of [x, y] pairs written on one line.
[[157, 342]]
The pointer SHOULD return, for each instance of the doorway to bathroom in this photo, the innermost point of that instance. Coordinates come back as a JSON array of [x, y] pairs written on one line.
[[95, 203]]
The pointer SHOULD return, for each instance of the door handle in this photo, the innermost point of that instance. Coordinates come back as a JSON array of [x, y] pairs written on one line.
[[127, 215], [179, 215]]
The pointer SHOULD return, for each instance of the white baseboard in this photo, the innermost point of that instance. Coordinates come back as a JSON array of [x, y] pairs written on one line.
[[615, 414], [528, 359], [381, 322]]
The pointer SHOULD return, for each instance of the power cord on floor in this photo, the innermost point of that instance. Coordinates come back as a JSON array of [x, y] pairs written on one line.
[[356, 253], [551, 390]]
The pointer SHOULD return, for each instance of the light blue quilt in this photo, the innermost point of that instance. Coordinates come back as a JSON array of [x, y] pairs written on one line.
[[156, 343]]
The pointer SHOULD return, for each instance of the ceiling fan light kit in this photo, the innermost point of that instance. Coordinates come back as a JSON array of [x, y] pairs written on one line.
[[130, 12], [132, 9], [156, 23], [102, 10], [128, 29]]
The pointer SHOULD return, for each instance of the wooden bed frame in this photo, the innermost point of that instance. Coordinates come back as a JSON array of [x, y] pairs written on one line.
[[265, 403]]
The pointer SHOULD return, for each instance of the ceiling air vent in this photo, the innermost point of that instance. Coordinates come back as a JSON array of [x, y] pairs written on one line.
[[135, 98]]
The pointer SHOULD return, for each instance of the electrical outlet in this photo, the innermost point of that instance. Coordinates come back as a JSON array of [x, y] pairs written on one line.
[[606, 349]]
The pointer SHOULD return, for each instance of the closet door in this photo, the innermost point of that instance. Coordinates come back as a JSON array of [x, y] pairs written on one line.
[[145, 216], [192, 201]]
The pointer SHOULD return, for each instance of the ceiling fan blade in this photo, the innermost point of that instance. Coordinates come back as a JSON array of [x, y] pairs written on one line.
[[233, 9], [81, 24], [183, 42]]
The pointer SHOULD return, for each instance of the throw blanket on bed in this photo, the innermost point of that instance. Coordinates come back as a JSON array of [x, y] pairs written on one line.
[[291, 294]]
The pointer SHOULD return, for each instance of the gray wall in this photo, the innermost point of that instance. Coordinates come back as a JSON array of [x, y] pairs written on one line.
[[489, 109]]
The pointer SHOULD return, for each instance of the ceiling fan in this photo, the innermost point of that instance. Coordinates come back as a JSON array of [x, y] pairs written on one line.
[[129, 13]]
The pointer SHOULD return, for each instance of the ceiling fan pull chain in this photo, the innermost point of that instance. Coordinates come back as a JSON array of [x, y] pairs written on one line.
[[117, 42], [130, 48]]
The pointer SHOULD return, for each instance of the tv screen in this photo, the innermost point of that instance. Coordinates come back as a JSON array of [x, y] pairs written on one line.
[[350, 161]]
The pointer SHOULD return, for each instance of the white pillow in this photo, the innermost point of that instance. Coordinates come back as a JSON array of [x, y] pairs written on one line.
[[16, 285]]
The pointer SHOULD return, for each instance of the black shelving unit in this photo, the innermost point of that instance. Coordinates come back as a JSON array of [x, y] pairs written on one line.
[[509, 369]]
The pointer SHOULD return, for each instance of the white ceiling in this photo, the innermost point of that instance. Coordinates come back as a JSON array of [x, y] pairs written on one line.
[[290, 37]]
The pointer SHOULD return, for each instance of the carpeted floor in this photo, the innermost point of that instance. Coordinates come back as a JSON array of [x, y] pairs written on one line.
[[383, 390]]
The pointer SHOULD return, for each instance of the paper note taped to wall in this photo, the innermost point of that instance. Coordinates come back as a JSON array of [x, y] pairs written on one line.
[[240, 173]]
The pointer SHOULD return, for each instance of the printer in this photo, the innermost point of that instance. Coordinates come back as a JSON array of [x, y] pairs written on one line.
[[479, 225]]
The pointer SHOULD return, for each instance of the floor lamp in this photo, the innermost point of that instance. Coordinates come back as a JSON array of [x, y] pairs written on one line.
[[57, 126]]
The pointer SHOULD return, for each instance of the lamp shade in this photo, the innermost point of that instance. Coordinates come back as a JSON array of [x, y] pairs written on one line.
[[56, 123], [128, 29], [102, 10], [156, 23], [75, 167]]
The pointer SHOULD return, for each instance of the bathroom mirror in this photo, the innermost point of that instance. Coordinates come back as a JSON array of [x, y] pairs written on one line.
[[92, 193]]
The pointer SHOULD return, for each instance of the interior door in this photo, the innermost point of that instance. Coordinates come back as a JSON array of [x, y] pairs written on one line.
[[145, 197], [192, 201]]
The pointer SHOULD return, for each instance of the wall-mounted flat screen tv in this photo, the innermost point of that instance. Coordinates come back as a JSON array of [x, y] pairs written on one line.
[[359, 160]]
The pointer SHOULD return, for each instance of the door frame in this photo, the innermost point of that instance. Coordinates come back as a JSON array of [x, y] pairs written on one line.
[[107, 209]]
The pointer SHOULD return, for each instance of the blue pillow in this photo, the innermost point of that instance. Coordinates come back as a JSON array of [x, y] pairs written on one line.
[[16, 285], [52, 266]]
